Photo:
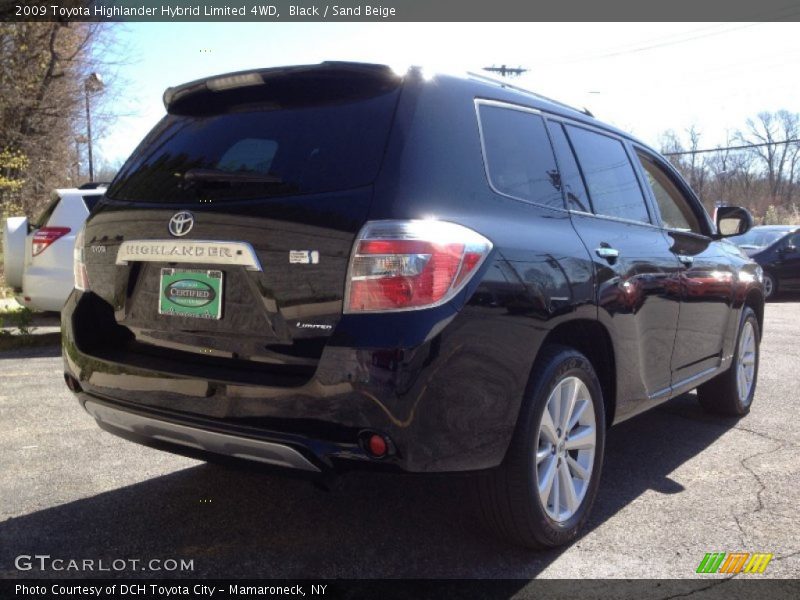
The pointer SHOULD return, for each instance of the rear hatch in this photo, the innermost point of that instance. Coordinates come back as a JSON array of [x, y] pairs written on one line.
[[223, 243]]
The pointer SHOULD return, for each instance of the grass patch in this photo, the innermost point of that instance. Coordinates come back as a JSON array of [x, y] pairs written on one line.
[[13, 342], [20, 319]]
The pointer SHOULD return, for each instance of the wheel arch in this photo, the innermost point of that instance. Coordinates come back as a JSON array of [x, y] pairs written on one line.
[[755, 300], [593, 340]]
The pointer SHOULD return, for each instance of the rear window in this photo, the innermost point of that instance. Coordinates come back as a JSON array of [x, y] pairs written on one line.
[[91, 201], [45, 215], [519, 158], [248, 152]]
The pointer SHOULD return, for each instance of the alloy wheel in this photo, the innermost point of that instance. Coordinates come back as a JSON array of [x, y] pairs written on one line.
[[746, 367], [565, 449], [769, 286]]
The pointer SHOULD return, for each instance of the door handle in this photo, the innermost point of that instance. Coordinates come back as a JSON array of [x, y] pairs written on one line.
[[610, 254], [686, 260]]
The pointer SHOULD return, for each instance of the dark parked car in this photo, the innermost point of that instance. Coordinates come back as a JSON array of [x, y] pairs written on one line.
[[777, 249], [332, 266]]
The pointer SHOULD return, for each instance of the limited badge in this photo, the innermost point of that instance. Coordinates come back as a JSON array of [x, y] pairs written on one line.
[[303, 257]]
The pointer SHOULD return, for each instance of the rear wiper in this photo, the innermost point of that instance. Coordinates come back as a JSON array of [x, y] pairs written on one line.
[[232, 176]]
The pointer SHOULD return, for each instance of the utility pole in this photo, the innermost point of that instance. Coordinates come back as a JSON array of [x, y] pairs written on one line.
[[93, 83], [505, 71]]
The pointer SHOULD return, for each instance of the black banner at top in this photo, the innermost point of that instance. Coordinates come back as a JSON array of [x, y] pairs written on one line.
[[398, 10]]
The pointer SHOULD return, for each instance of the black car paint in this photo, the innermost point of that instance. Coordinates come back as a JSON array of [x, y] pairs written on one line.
[[445, 385], [781, 259]]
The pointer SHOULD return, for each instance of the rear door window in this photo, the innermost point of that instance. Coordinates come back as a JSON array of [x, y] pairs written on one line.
[[247, 151], [518, 155], [613, 187], [574, 188]]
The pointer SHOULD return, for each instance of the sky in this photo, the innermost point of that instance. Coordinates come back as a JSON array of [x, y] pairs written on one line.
[[643, 78]]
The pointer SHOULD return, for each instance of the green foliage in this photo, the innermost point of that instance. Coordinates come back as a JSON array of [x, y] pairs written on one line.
[[12, 166], [21, 319]]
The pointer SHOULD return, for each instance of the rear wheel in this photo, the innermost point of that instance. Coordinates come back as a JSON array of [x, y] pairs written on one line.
[[541, 495], [731, 393]]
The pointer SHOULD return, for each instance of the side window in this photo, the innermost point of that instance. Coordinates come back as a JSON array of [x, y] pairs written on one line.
[[609, 175], [574, 189], [518, 155], [676, 210]]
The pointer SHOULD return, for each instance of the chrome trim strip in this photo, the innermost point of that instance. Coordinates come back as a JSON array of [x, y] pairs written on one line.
[[189, 251], [201, 439]]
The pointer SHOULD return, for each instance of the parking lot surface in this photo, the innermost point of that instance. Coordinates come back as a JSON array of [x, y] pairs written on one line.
[[676, 484]]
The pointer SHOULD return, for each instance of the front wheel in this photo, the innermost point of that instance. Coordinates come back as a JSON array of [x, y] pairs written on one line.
[[731, 393], [770, 286], [541, 495]]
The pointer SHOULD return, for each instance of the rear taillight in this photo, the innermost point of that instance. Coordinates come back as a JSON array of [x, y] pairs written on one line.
[[409, 265], [46, 236], [78, 263]]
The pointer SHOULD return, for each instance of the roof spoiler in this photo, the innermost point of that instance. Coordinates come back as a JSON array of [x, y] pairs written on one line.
[[257, 77]]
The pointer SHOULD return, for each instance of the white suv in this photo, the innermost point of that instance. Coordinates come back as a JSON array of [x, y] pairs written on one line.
[[38, 254]]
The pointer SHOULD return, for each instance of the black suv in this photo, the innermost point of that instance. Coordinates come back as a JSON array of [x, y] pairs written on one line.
[[328, 266]]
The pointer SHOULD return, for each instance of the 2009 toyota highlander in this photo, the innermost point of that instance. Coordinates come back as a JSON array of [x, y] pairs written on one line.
[[321, 266]]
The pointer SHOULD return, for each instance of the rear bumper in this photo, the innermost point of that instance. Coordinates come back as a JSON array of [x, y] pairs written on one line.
[[143, 428], [448, 403], [47, 288]]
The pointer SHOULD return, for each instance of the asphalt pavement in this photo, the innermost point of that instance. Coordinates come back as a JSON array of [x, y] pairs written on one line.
[[677, 484]]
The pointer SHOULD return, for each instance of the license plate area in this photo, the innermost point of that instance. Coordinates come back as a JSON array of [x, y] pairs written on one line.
[[193, 293]]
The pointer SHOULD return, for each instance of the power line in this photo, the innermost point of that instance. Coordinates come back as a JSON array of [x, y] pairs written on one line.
[[722, 148]]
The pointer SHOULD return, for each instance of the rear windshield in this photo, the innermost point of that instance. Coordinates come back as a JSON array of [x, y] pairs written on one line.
[[91, 201], [251, 153], [44, 216]]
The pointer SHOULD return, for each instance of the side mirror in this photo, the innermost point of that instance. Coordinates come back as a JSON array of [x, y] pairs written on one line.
[[733, 220], [789, 249]]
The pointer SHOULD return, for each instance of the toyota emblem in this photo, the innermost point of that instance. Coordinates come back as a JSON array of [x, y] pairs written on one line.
[[181, 223]]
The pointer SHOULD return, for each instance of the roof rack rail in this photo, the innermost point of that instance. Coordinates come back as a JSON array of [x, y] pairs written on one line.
[[517, 88]]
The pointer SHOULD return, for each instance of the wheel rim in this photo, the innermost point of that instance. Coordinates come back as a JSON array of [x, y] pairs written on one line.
[[746, 368], [565, 449], [768, 286]]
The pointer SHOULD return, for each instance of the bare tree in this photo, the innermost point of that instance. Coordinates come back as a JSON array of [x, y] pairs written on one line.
[[767, 135], [43, 67]]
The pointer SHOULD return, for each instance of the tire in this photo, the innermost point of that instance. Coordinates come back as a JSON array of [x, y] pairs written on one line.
[[723, 395], [508, 496], [770, 286], [15, 230]]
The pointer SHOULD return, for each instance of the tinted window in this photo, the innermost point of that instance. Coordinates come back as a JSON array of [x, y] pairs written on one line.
[[42, 219], [675, 208], [609, 175], [519, 158], [248, 153], [757, 237], [574, 188], [91, 201]]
